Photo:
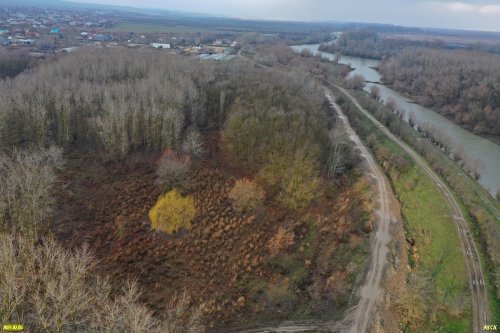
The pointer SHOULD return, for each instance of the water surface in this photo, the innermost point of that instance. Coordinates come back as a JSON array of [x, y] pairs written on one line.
[[475, 146]]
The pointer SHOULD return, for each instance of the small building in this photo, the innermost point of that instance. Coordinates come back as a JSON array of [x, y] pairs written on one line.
[[5, 41], [160, 45], [70, 49], [26, 42], [55, 31]]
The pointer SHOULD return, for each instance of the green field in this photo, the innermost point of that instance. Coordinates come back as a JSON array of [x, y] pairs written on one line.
[[482, 211], [150, 28], [428, 220]]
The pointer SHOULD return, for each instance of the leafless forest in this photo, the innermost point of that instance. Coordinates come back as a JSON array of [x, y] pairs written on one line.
[[462, 85], [369, 44]]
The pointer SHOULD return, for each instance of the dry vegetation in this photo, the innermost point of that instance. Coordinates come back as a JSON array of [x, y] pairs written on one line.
[[246, 195], [149, 133], [50, 289]]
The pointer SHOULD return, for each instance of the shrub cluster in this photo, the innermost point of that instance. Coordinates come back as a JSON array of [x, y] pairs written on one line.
[[246, 195], [172, 212]]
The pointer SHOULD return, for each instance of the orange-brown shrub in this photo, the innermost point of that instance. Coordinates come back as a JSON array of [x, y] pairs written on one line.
[[282, 240], [246, 195]]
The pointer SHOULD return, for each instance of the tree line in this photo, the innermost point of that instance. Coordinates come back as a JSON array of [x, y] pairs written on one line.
[[461, 85], [370, 44], [113, 101]]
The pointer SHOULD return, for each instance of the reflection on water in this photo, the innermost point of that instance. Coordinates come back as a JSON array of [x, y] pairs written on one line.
[[475, 146]]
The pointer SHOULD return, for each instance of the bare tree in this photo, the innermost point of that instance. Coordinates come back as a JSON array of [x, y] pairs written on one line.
[[375, 92], [192, 143], [355, 82], [391, 104], [412, 120], [459, 154], [338, 142], [475, 167], [26, 181], [50, 289], [172, 171]]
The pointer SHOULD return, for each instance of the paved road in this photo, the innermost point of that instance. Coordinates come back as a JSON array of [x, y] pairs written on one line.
[[480, 306]]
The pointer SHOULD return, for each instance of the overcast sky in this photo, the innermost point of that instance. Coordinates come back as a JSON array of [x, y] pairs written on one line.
[[464, 14]]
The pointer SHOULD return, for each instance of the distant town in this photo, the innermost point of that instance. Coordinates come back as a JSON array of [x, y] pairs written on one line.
[[44, 31]]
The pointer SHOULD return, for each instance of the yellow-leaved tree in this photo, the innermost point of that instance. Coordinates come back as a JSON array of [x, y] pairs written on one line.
[[172, 212]]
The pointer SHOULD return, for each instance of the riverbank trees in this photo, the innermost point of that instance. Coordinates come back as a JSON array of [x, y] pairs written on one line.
[[461, 85], [367, 44]]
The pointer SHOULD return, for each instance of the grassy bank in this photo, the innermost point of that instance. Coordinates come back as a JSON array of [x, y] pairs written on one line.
[[481, 210], [435, 258]]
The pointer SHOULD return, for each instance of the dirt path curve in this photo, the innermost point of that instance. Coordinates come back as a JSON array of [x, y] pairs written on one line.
[[480, 306]]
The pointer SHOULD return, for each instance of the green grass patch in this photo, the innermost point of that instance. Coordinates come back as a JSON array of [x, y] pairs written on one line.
[[428, 219], [292, 265], [480, 209]]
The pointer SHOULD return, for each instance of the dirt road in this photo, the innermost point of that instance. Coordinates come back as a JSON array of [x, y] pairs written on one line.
[[357, 318], [371, 290], [480, 307]]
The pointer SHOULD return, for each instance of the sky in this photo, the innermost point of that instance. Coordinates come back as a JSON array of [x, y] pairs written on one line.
[[463, 14]]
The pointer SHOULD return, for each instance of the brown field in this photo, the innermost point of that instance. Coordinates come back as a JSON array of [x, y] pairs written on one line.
[[225, 261]]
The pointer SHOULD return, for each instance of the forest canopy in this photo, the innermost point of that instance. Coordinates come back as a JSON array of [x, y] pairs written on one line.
[[462, 85], [367, 44]]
